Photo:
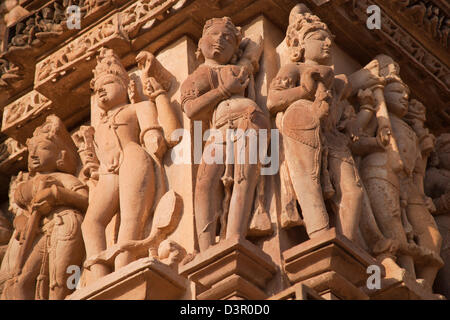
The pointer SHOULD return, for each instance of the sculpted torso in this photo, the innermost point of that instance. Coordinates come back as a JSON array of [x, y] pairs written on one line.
[[115, 130], [26, 191], [408, 148], [205, 79]]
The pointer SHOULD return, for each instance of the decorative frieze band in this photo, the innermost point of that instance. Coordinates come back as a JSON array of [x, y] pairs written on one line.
[[402, 40], [17, 115]]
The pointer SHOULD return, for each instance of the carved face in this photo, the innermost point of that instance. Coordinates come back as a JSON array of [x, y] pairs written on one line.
[[317, 46], [30, 22], [42, 156], [47, 13], [218, 43], [110, 92], [396, 95]]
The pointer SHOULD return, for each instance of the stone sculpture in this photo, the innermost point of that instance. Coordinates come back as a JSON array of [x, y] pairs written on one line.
[[306, 96], [220, 92], [391, 179], [48, 226], [127, 137], [437, 186], [362, 181]]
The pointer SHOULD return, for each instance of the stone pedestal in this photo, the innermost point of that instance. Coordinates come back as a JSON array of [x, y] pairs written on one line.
[[297, 292], [399, 285], [231, 270], [144, 279], [331, 265]]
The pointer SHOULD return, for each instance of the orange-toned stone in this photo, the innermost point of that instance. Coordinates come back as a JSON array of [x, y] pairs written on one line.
[[297, 292], [329, 263], [232, 269], [144, 279]]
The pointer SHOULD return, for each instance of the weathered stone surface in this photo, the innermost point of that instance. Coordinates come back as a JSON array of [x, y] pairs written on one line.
[[206, 149]]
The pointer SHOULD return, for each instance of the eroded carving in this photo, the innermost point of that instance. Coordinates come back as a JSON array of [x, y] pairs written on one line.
[[128, 136], [307, 99], [84, 47], [23, 110], [437, 186], [221, 92], [393, 176], [49, 202], [404, 41]]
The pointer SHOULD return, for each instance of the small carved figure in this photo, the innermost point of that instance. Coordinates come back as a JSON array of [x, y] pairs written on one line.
[[19, 39], [216, 93], [437, 186], [47, 23], [5, 230], [48, 227], [419, 207]]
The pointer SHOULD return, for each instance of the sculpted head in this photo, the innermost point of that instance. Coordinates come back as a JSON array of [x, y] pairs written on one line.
[[397, 96], [396, 92], [110, 82], [51, 148], [220, 41], [47, 13], [308, 38]]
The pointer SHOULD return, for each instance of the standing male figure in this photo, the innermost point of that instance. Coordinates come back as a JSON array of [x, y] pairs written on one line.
[[129, 140]]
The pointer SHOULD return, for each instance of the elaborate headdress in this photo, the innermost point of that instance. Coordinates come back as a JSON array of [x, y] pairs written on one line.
[[302, 22], [109, 66], [227, 23], [54, 131], [390, 70]]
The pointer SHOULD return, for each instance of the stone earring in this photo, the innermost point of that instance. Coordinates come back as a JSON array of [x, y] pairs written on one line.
[[296, 55]]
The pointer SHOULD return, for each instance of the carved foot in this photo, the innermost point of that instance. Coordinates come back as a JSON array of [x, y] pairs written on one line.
[[189, 257]]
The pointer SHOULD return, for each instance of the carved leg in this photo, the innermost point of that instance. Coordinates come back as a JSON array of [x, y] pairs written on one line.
[[208, 200], [385, 201], [103, 204], [245, 180], [442, 284], [370, 231], [25, 287], [348, 199], [66, 249], [304, 163], [137, 192], [427, 235]]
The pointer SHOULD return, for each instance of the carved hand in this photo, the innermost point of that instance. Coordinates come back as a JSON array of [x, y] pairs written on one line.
[[384, 136], [324, 95], [154, 142], [366, 97], [234, 79], [309, 81], [152, 88], [430, 204], [45, 200]]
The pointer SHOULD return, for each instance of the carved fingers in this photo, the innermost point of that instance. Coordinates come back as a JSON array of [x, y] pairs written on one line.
[[234, 79], [152, 88], [154, 142], [384, 136], [309, 81], [366, 97]]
